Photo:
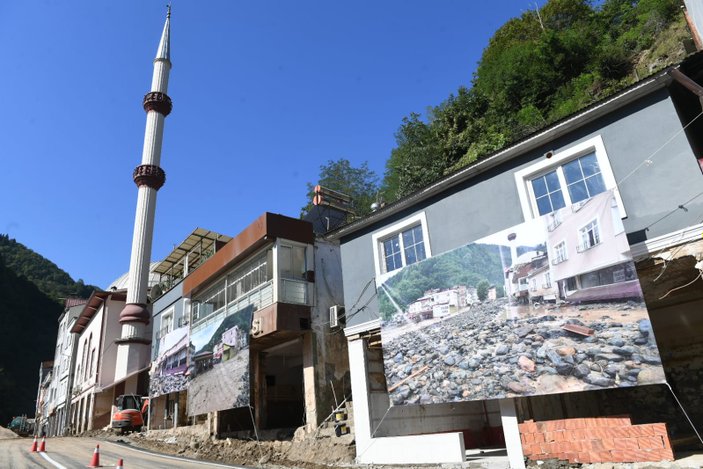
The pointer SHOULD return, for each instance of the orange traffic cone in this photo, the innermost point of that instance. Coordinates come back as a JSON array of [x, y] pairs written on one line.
[[95, 462], [120, 464], [42, 445], [34, 445]]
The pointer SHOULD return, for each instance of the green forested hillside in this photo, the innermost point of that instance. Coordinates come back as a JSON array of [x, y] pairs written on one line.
[[46, 275], [536, 69], [29, 325], [31, 292]]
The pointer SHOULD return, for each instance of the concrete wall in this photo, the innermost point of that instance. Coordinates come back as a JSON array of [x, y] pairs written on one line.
[[112, 331], [94, 329], [325, 357], [489, 202]]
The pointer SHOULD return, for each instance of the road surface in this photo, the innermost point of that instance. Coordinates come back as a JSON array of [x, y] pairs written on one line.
[[70, 453]]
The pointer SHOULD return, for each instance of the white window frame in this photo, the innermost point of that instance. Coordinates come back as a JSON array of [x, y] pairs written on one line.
[[168, 314], [523, 177], [566, 252], [581, 247], [380, 236]]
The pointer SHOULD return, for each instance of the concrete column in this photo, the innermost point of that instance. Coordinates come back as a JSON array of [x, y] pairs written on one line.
[[508, 417], [311, 412], [360, 390]]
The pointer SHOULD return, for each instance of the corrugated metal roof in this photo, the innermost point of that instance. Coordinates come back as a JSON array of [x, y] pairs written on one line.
[[197, 245]]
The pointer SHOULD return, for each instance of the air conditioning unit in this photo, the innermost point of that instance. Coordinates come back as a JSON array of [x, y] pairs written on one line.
[[337, 316]]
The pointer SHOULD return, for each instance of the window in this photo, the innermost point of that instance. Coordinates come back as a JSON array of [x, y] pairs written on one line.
[[404, 248], [400, 245], [166, 322], [589, 236], [547, 280], [568, 177], [559, 253]]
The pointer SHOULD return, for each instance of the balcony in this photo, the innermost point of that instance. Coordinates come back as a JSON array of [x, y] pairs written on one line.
[[558, 260], [553, 225], [583, 247]]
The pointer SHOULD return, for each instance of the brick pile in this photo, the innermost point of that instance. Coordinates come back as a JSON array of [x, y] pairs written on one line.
[[595, 440]]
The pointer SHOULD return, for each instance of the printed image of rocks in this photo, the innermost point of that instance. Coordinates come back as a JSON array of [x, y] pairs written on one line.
[[218, 374], [481, 354], [550, 306]]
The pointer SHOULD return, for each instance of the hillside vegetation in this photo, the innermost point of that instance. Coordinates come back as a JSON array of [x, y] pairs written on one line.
[[31, 292], [29, 325], [47, 276], [537, 68]]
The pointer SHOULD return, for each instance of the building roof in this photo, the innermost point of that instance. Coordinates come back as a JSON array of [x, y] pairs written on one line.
[[532, 141], [92, 306], [196, 246], [261, 231], [71, 302], [121, 282]]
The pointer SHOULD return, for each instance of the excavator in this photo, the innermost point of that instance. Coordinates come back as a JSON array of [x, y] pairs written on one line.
[[131, 413]]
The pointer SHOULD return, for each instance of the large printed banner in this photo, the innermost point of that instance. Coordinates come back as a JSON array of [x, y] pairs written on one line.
[[169, 369], [218, 376], [549, 306]]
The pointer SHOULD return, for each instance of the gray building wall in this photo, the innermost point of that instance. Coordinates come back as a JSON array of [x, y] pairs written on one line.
[[489, 202], [173, 297]]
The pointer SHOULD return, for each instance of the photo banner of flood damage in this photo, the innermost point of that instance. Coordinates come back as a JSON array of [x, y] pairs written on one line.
[[168, 370], [218, 374], [553, 305]]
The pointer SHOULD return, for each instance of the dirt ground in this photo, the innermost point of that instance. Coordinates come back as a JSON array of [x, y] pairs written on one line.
[[5, 434], [305, 453]]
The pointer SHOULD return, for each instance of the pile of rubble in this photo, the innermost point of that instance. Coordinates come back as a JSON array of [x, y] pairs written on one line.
[[310, 451], [478, 354]]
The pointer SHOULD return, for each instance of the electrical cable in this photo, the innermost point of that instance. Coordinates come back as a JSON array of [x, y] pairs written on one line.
[[648, 161]]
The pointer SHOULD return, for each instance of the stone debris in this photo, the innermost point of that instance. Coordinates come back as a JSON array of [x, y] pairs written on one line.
[[477, 354]]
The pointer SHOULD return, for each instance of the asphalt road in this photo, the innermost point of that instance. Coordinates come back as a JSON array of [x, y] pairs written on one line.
[[70, 453]]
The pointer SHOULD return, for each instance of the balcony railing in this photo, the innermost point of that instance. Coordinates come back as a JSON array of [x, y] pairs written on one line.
[[558, 260], [553, 225], [260, 296], [582, 247]]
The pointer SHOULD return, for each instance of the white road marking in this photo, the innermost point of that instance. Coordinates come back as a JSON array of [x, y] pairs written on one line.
[[51, 461], [175, 458]]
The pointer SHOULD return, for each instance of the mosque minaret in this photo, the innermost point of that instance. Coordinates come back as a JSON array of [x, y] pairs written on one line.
[[133, 345]]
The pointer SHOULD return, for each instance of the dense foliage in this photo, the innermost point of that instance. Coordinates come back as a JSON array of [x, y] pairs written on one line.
[[359, 183], [31, 289], [29, 325], [46, 275], [536, 69]]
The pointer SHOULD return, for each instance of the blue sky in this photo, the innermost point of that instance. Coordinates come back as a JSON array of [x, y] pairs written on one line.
[[264, 92]]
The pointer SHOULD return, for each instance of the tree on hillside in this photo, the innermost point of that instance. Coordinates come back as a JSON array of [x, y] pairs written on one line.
[[536, 69], [360, 183], [46, 275], [482, 290]]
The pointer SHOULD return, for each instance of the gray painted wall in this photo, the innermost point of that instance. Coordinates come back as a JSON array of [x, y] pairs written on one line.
[[489, 202]]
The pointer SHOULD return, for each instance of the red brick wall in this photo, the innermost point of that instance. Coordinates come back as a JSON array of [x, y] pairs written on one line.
[[593, 440]]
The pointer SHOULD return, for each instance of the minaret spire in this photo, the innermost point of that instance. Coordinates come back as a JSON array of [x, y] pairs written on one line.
[[164, 50], [133, 350]]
